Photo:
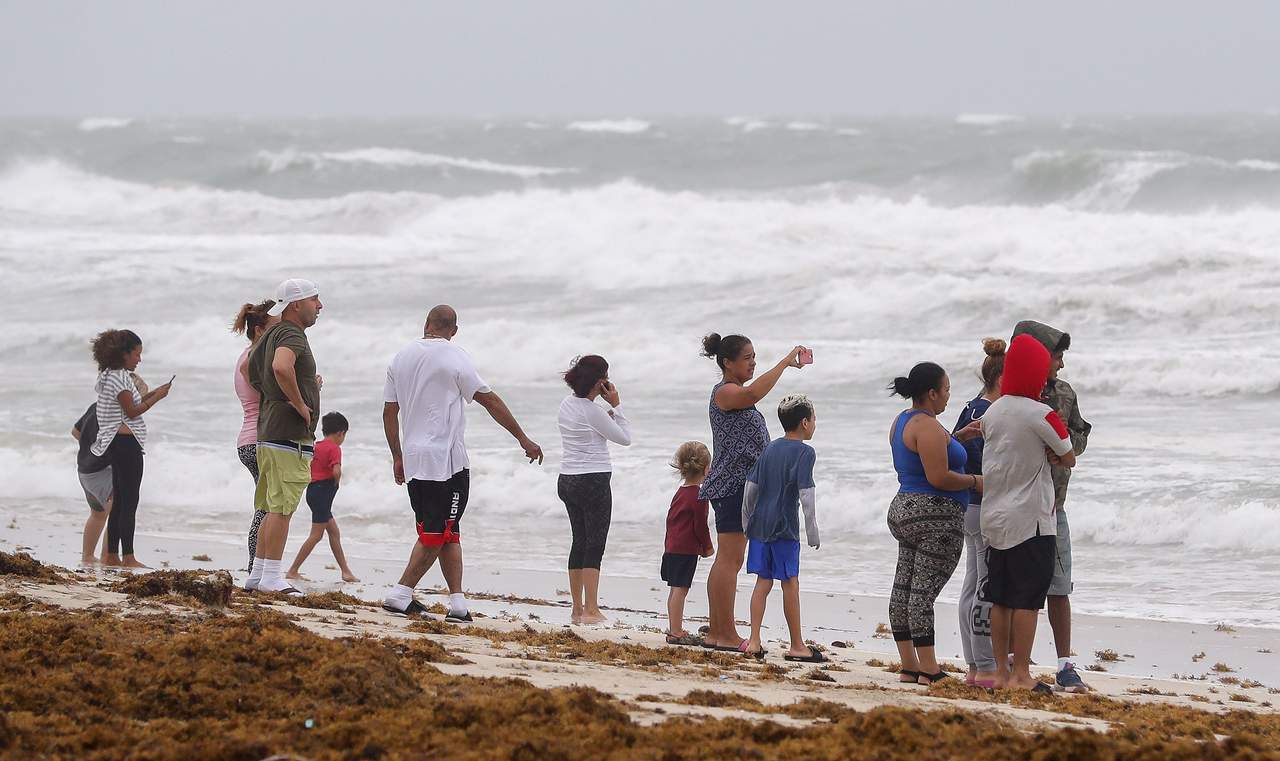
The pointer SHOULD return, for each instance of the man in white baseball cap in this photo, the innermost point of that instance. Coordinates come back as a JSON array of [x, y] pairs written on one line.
[[291, 290], [283, 370]]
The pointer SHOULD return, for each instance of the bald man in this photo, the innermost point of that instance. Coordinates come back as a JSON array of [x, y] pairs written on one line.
[[429, 383]]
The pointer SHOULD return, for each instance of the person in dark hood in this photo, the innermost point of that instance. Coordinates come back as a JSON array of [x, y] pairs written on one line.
[[1018, 520], [1059, 395]]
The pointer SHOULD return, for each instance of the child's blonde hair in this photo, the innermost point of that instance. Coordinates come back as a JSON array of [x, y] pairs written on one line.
[[692, 459]]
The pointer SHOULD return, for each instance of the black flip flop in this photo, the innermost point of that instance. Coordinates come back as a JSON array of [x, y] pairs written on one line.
[[726, 649], [933, 678], [915, 676], [414, 608], [814, 656], [1042, 689]]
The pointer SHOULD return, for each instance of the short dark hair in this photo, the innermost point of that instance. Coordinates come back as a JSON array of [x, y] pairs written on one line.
[[724, 349], [794, 410], [923, 378], [585, 372], [111, 346], [333, 422]]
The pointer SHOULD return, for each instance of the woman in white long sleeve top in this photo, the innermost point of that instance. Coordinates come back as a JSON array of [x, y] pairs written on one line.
[[586, 428]]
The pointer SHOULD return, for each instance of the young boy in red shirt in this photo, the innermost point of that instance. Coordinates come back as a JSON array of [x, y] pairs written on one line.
[[326, 472], [687, 537]]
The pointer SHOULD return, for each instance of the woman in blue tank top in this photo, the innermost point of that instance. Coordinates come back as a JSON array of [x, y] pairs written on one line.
[[738, 437], [926, 516]]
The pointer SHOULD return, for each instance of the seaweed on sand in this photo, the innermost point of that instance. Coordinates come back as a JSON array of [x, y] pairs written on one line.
[[22, 564], [210, 588], [566, 645], [95, 686]]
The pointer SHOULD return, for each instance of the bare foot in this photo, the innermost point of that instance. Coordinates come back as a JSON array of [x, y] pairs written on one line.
[[1021, 683], [296, 576], [88, 560], [592, 618], [132, 562], [349, 577]]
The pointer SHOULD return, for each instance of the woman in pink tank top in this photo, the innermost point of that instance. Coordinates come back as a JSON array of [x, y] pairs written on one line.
[[251, 322]]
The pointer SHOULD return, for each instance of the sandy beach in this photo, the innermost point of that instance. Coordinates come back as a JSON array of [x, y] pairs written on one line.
[[1143, 648], [622, 675]]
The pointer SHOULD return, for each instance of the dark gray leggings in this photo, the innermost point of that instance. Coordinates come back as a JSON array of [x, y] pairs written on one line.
[[589, 501], [126, 484]]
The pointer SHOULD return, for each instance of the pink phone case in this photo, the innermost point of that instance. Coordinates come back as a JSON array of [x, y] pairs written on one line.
[[806, 356]]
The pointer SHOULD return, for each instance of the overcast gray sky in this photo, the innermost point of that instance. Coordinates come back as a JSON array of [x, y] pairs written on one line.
[[469, 57]]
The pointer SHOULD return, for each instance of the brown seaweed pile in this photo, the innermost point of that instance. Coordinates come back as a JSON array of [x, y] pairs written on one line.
[[1139, 720], [339, 601], [22, 564], [87, 685], [210, 588]]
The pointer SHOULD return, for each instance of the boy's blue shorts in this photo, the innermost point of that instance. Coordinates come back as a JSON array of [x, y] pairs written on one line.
[[774, 560]]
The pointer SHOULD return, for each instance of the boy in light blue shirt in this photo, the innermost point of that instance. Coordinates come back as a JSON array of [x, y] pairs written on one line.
[[779, 484]]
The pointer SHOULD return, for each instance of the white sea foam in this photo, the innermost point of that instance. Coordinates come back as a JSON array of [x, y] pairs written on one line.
[[394, 158], [1143, 286], [987, 120], [95, 123], [805, 127], [617, 126]]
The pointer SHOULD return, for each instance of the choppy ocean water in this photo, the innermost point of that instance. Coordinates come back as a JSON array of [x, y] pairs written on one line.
[[880, 243]]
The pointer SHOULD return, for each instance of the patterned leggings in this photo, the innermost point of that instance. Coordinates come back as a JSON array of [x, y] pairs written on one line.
[[590, 504], [249, 458], [930, 533]]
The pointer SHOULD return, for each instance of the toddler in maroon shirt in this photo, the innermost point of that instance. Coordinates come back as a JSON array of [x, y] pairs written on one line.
[[688, 537]]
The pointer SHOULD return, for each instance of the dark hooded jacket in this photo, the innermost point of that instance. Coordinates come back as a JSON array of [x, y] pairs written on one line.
[[1059, 395]]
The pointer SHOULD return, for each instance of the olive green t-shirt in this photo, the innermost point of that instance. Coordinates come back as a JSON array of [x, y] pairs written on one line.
[[277, 419]]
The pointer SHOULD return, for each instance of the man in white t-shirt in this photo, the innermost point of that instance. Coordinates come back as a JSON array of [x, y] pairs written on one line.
[[1023, 438], [429, 383]]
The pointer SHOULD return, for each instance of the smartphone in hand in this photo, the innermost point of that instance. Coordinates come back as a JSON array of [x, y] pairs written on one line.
[[171, 377], [806, 356]]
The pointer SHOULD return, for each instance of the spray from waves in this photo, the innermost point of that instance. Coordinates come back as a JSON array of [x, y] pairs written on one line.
[[96, 123], [393, 158], [1116, 180], [616, 126], [54, 195], [1259, 165], [987, 120]]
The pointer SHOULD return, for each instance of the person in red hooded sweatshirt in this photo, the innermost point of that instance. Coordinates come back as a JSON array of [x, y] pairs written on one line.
[[1022, 434]]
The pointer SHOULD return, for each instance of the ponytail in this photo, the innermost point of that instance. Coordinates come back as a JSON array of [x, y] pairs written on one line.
[[251, 319], [923, 378]]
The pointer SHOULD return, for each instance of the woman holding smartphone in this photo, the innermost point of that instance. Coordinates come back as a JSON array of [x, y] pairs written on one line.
[[738, 436], [122, 434], [586, 429]]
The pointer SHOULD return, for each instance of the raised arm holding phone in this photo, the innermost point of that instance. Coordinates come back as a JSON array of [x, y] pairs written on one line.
[[739, 435]]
